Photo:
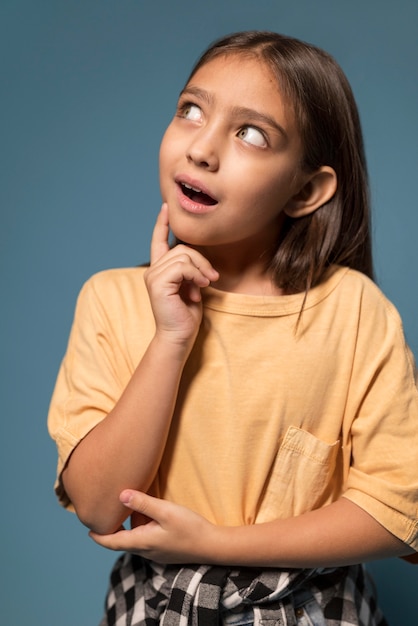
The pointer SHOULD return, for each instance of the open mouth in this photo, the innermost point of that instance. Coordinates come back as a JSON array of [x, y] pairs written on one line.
[[196, 195]]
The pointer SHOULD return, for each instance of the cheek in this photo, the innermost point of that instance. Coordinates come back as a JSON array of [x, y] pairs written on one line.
[[163, 150], [171, 152], [282, 184], [269, 195], [261, 186], [164, 161]]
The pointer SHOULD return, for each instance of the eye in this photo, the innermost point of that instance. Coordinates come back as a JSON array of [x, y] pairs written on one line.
[[252, 135], [191, 112]]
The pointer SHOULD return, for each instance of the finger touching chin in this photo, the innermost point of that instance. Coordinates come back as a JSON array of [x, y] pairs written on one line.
[[139, 519]]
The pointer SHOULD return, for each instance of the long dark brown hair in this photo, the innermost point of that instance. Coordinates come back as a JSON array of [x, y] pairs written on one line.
[[329, 124]]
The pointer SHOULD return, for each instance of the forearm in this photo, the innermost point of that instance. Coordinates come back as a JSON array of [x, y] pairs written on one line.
[[339, 534], [125, 449]]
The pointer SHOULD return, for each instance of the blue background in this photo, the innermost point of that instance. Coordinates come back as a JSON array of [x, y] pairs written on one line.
[[87, 88]]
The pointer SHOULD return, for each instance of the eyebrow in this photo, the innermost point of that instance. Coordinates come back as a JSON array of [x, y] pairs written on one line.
[[237, 111]]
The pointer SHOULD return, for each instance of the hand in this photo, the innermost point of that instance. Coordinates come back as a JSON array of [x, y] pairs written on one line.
[[174, 280], [170, 533]]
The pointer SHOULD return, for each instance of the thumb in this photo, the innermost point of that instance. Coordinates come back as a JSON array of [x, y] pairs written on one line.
[[141, 503]]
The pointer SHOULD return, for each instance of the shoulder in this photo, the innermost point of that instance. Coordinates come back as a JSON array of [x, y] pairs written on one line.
[[122, 281], [120, 277], [373, 317], [370, 298], [114, 292], [346, 289], [355, 304]]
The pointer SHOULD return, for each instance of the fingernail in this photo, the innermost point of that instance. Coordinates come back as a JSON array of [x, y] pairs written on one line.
[[125, 497]]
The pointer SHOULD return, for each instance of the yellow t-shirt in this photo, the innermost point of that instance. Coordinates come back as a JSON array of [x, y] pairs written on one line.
[[272, 419]]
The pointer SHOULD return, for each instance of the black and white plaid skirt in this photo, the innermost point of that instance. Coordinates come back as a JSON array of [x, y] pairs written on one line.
[[143, 593]]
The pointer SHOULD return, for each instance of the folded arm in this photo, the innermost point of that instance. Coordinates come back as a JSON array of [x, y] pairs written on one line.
[[339, 534], [125, 448]]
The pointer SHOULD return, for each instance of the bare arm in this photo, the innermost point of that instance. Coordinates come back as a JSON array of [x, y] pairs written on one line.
[[339, 534], [125, 449]]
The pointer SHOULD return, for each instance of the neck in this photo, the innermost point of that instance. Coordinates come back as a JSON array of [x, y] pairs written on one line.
[[241, 272]]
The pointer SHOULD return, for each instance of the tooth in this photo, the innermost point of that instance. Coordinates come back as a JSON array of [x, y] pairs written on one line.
[[192, 188]]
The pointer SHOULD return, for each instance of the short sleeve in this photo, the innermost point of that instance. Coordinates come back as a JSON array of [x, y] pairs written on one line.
[[383, 474], [101, 356]]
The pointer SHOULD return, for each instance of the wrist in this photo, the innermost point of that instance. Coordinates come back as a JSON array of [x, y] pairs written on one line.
[[173, 345], [221, 546], [241, 546]]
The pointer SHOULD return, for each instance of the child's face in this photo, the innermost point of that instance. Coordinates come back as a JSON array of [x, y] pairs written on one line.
[[234, 140]]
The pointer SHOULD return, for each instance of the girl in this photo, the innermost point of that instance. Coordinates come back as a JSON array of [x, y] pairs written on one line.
[[247, 398]]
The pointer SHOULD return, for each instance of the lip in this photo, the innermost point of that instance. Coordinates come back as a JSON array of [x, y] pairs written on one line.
[[186, 203]]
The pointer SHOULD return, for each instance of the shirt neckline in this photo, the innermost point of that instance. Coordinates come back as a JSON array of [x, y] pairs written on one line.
[[270, 306]]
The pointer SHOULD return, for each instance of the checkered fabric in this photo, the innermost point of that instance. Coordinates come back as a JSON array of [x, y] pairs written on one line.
[[143, 593]]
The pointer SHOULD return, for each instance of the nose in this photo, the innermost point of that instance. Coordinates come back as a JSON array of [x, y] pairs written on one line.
[[204, 150]]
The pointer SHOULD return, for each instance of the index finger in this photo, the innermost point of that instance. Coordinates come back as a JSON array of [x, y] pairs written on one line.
[[159, 240]]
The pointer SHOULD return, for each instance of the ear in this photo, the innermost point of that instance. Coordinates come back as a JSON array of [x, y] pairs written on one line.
[[317, 189]]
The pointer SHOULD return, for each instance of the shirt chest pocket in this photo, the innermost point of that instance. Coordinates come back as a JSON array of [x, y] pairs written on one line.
[[304, 477]]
